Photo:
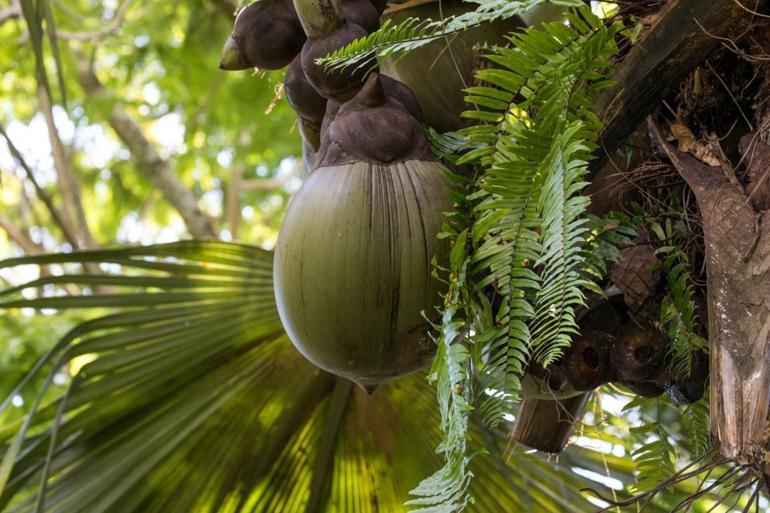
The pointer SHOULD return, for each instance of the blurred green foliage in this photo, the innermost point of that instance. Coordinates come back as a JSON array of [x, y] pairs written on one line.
[[160, 64]]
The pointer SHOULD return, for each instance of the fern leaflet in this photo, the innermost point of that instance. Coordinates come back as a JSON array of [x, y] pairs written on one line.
[[412, 33]]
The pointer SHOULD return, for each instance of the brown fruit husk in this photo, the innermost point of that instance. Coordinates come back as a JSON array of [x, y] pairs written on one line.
[[302, 96], [638, 353], [362, 13], [267, 35], [586, 362], [376, 125]]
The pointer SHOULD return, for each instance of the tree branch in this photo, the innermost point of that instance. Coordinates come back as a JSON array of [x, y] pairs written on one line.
[[686, 32], [112, 26], [154, 167], [233, 201], [19, 237], [265, 184], [55, 215], [72, 204]]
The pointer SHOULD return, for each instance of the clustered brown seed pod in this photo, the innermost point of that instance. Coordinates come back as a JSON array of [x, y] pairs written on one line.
[[309, 105], [336, 84], [634, 353], [355, 19], [270, 34], [353, 258], [267, 35]]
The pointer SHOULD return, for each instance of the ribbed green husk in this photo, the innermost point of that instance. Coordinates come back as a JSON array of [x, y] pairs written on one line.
[[353, 267]]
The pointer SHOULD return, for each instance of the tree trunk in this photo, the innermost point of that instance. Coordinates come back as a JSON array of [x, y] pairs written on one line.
[[737, 241]]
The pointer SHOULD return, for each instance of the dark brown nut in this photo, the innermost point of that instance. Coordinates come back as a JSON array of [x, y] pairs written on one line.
[[267, 34]]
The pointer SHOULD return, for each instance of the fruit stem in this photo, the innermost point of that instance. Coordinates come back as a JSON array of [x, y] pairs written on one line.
[[318, 17]]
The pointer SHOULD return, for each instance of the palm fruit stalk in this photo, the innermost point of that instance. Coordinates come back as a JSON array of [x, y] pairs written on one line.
[[330, 25], [353, 272]]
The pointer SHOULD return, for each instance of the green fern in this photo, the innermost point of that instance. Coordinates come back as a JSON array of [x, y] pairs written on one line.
[[678, 310], [531, 232], [607, 233], [412, 33], [521, 236], [695, 424], [446, 490]]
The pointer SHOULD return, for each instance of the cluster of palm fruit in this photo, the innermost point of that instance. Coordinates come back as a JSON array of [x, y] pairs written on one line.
[[612, 347], [353, 258], [352, 269]]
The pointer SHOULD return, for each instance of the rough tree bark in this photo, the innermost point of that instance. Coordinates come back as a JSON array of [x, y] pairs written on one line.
[[686, 32], [149, 162], [737, 240]]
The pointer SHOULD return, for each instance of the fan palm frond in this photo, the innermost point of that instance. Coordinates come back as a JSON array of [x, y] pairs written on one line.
[[189, 397]]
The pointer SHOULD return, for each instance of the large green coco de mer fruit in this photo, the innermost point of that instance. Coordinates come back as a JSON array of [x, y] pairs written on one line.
[[353, 267]]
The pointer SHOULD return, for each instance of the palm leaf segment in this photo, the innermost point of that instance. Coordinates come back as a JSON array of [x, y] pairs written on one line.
[[194, 400]]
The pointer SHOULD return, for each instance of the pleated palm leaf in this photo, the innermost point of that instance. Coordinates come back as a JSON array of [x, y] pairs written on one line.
[[194, 400]]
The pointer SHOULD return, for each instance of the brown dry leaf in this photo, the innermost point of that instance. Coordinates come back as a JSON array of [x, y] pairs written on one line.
[[636, 274], [687, 143]]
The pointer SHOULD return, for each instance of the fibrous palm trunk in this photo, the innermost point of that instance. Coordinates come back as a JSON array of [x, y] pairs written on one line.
[[737, 240]]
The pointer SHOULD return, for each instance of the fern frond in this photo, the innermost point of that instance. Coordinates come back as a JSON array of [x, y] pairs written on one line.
[[412, 33], [530, 233], [678, 310], [607, 233], [695, 423], [518, 264], [446, 490]]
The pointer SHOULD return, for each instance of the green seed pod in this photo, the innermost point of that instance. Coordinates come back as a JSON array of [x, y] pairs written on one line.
[[353, 266], [439, 72], [267, 35]]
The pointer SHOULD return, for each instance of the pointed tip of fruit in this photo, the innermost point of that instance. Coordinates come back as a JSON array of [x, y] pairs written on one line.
[[372, 93], [231, 56], [368, 388]]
